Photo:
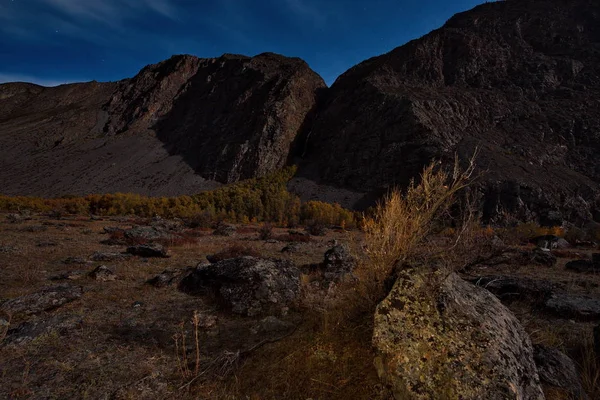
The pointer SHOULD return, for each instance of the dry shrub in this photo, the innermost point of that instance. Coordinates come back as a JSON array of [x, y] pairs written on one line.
[[247, 230], [589, 366], [522, 233], [265, 232], [294, 237], [404, 221], [234, 251]]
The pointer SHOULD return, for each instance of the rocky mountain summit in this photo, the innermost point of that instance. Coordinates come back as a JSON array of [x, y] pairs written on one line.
[[179, 127], [519, 79]]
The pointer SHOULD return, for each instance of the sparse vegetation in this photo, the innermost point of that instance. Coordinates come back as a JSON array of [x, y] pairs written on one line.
[[255, 200]]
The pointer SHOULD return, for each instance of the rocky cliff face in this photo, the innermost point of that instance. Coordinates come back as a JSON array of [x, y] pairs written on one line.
[[178, 127], [519, 79]]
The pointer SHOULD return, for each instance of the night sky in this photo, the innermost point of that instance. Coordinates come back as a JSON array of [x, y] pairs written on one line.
[[50, 42]]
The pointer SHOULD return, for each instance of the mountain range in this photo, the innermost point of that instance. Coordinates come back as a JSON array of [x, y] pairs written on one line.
[[517, 79]]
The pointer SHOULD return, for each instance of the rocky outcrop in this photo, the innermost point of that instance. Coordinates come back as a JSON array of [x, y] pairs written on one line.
[[557, 370], [248, 285], [519, 79], [179, 127], [46, 299], [441, 337]]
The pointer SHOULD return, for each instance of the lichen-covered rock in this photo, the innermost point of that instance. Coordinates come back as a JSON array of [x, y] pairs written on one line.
[[438, 336], [103, 274], [338, 262], [148, 250], [557, 370], [166, 278], [249, 285], [46, 299], [31, 330], [570, 306]]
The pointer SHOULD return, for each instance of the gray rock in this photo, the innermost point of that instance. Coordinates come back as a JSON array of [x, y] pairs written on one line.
[[103, 256], [31, 330], [291, 248], [510, 287], [573, 307], [250, 286], [562, 243], [437, 336], [103, 274], [271, 324], [148, 250], [74, 260], [546, 242], [166, 278], [338, 262], [70, 276], [141, 234], [224, 229], [582, 266], [558, 370], [540, 257], [46, 299]]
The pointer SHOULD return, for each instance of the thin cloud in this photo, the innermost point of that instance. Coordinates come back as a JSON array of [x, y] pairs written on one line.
[[111, 11], [305, 10]]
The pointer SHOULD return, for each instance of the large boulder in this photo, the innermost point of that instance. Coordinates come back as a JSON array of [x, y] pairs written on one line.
[[46, 299], [557, 370], [338, 262], [570, 306], [437, 336], [248, 285]]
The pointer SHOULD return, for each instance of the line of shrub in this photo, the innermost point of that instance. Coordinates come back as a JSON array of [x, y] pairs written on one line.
[[255, 200]]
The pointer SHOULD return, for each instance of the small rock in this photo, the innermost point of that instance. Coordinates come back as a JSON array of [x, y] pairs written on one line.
[[103, 274], [71, 276], [166, 278], [546, 242], [338, 262], [561, 243], [509, 287], [46, 244], [46, 299], [271, 324], [291, 248], [148, 250], [101, 256], [542, 257], [572, 306], [137, 304], [582, 266], [558, 370], [146, 234], [74, 260], [224, 229], [31, 330]]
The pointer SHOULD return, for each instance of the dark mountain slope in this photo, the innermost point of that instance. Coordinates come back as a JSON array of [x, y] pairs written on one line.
[[520, 79], [179, 127]]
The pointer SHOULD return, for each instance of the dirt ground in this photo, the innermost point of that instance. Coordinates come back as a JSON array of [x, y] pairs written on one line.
[[127, 339]]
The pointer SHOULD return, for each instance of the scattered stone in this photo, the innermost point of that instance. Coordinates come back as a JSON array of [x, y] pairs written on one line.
[[31, 330], [102, 256], [46, 244], [558, 370], [582, 266], [291, 248], [141, 234], [508, 288], [546, 242], [166, 278], [271, 324], [573, 307], [44, 300], [112, 229], [224, 229], [539, 257], [249, 285], [148, 250], [437, 334], [137, 304], [70, 276], [338, 262], [162, 224], [13, 218], [562, 243], [74, 260], [103, 274]]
